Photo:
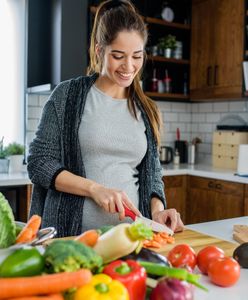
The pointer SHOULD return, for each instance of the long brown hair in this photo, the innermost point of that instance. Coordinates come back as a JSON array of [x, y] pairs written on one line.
[[112, 17]]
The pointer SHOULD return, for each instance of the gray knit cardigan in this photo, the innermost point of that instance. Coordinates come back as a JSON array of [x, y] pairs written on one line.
[[56, 148]]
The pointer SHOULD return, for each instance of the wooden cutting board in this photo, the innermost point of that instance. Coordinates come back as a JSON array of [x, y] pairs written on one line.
[[198, 241], [240, 233]]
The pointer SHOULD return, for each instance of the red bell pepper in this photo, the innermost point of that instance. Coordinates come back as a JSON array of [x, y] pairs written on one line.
[[131, 274]]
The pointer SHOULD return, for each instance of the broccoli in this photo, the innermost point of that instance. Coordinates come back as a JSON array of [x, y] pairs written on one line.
[[7, 224], [69, 256]]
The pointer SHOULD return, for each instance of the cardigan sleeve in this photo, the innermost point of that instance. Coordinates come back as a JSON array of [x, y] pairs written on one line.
[[44, 159], [158, 184]]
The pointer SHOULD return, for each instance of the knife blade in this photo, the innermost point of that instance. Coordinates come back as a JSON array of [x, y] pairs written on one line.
[[155, 226]]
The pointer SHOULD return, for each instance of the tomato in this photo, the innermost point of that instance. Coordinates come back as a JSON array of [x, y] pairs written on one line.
[[224, 271], [205, 255], [182, 255]]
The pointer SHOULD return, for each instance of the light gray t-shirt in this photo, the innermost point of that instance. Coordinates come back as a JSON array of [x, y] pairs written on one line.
[[113, 143]]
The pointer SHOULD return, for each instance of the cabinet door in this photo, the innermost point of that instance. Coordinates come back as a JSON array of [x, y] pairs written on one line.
[[246, 201], [202, 49], [229, 43], [229, 199], [217, 49], [200, 205], [210, 200], [175, 192]]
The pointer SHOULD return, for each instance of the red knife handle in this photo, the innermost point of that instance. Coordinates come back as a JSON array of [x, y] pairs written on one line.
[[128, 212]]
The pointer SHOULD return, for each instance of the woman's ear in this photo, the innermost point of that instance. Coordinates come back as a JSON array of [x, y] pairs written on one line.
[[98, 50]]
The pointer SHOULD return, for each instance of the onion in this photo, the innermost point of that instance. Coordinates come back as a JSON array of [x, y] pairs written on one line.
[[172, 289]]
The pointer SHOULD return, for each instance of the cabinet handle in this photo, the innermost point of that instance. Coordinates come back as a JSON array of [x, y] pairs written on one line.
[[211, 184], [218, 186], [216, 68], [209, 71]]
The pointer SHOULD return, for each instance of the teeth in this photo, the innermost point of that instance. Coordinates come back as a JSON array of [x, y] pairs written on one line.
[[125, 74]]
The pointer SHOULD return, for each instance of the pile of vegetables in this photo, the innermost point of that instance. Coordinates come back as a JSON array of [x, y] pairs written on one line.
[[107, 263], [10, 233]]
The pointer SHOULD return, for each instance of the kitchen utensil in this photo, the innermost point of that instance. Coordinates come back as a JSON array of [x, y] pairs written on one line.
[[166, 154], [150, 223], [181, 146], [178, 134]]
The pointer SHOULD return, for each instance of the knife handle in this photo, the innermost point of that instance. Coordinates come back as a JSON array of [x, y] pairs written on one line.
[[128, 212]]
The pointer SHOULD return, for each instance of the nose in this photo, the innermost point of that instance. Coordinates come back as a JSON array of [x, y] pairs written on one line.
[[128, 64]]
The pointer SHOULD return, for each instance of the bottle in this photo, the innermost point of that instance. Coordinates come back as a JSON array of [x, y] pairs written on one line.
[[167, 82], [176, 159], [154, 84], [185, 84]]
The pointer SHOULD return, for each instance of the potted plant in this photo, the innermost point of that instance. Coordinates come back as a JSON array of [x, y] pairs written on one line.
[[4, 162], [15, 153], [167, 44]]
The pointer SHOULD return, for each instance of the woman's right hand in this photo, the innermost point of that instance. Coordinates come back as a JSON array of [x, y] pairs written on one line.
[[112, 200]]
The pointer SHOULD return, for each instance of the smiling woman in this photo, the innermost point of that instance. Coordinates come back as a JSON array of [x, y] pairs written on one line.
[[12, 71]]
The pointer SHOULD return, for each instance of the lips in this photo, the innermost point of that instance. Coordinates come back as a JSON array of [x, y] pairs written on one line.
[[125, 76]]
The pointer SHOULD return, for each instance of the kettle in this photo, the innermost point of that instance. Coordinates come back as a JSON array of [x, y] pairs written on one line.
[[165, 154]]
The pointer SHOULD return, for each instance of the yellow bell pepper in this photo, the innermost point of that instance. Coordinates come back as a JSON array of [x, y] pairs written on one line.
[[102, 287]]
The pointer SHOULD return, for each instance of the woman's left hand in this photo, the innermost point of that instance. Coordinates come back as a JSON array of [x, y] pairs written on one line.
[[170, 217]]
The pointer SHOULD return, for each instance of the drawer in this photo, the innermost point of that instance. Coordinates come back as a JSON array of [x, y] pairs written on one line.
[[230, 137], [225, 150], [229, 188], [225, 162]]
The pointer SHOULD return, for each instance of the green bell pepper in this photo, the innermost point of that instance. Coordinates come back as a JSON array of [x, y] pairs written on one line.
[[22, 262]]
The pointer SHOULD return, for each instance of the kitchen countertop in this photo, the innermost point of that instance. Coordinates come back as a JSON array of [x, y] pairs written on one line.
[[14, 179], [11, 179], [222, 229], [203, 171]]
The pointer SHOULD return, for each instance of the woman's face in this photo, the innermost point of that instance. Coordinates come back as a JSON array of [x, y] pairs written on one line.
[[123, 58]]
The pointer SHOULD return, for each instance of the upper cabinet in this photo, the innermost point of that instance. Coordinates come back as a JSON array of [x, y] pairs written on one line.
[[217, 49]]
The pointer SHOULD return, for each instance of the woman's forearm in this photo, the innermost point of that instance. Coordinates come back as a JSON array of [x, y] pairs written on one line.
[[156, 205], [74, 184]]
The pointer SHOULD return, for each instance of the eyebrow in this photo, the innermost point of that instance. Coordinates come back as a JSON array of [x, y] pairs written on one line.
[[123, 52]]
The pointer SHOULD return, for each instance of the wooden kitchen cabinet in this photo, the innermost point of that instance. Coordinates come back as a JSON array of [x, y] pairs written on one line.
[[212, 199], [175, 192], [217, 49], [246, 201]]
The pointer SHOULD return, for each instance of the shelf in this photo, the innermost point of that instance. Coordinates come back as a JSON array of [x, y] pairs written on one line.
[[167, 95], [168, 60], [168, 24], [155, 21]]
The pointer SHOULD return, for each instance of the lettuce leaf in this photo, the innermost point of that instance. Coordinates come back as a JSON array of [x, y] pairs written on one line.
[[140, 231], [7, 224]]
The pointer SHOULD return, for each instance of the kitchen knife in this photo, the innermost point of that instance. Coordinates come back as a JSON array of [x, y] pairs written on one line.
[[155, 226]]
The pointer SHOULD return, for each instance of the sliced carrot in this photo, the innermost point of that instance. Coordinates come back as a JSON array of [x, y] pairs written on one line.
[[44, 297], [31, 228], [43, 284], [158, 240], [89, 237]]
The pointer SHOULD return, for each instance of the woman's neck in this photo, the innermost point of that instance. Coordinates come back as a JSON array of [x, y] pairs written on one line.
[[111, 89]]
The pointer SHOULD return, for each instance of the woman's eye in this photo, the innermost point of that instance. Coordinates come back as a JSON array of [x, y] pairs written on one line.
[[117, 57], [137, 57]]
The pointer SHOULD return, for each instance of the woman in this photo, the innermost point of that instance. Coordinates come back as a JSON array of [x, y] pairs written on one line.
[[95, 150]]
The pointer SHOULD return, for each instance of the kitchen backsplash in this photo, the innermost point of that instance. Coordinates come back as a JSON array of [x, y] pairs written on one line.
[[193, 120]]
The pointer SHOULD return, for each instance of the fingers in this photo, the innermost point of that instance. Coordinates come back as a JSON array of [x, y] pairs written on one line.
[[171, 218], [130, 205]]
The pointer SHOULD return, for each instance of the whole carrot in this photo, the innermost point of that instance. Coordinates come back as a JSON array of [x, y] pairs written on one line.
[[31, 228], [44, 297], [88, 237], [44, 284]]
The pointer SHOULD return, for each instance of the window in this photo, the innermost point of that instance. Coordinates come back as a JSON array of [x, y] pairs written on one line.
[[12, 70]]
